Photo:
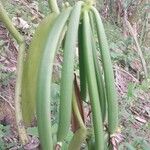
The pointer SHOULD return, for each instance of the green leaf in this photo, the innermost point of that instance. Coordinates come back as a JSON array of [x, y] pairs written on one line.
[[1, 131], [126, 146], [33, 131], [141, 143]]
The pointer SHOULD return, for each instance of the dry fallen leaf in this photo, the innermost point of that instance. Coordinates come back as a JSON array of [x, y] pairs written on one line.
[[140, 119], [20, 23]]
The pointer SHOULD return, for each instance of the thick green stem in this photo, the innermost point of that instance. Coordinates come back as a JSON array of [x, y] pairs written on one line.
[[53, 6], [7, 22], [19, 120], [78, 139], [90, 2]]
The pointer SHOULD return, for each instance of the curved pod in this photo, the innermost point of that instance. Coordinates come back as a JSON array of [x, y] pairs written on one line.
[[31, 67], [92, 83], [68, 73], [108, 75], [44, 81]]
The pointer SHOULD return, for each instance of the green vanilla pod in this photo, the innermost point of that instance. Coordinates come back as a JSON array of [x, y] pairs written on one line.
[[44, 80], [99, 77], [68, 73], [83, 80], [108, 74], [31, 67], [92, 83]]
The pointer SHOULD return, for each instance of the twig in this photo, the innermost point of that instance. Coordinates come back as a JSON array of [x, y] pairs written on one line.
[[7, 102], [131, 30], [122, 70], [19, 118], [20, 40], [24, 3], [53, 6], [119, 88]]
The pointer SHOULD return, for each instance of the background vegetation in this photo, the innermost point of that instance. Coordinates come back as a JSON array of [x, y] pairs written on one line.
[[127, 25]]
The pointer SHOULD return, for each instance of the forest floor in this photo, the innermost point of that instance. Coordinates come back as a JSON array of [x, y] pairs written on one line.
[[133, 89]]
